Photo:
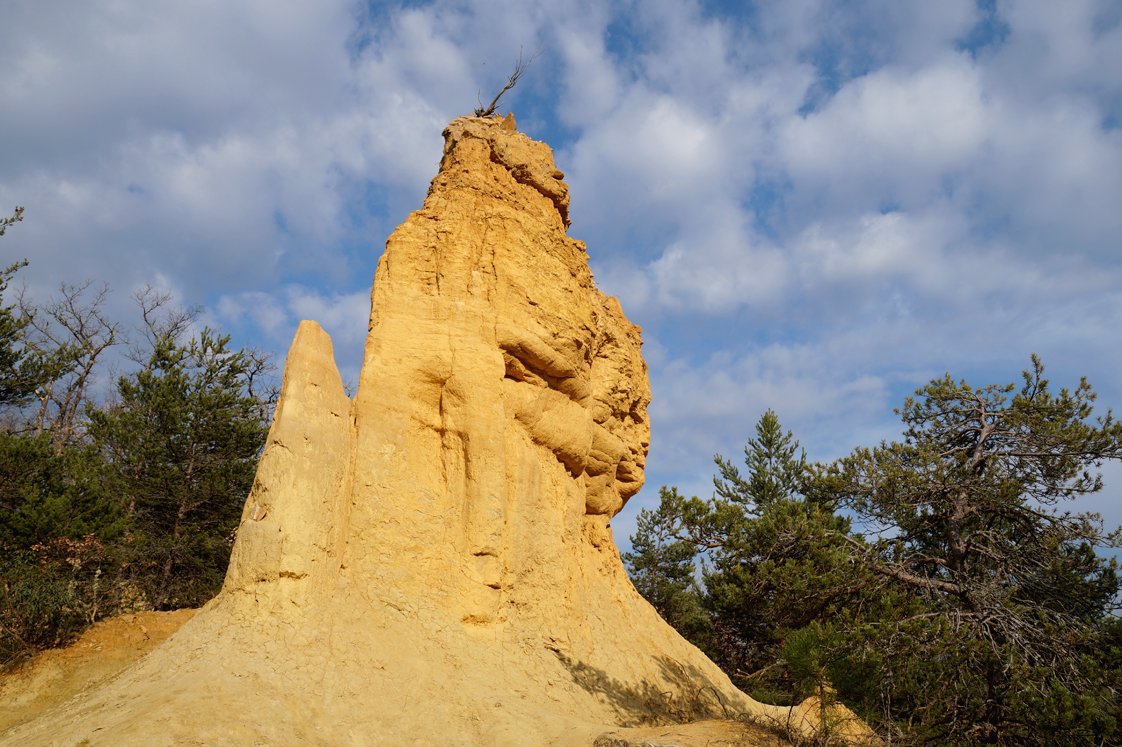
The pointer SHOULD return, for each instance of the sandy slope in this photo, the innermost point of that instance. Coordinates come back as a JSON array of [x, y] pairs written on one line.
[[55, 676]]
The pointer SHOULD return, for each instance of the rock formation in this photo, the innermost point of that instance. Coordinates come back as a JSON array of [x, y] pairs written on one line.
[[432, 563]]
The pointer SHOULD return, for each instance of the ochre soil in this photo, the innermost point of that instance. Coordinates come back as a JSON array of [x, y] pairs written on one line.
[[696, 734], [55, 676]]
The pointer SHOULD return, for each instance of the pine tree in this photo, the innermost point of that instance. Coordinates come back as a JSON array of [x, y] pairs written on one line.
[[774, 470], [13, 387], [768, 560], [777, 569], [1012, 642], [664, 569], [181, 446]]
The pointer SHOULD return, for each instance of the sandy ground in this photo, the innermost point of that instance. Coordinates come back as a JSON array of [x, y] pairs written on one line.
[[54, 676], [696, 734]]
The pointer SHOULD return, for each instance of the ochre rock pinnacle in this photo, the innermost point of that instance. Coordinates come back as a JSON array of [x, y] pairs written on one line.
[[432, 563]]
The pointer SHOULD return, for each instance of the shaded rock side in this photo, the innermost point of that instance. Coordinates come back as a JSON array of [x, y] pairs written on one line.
[[432, 563]]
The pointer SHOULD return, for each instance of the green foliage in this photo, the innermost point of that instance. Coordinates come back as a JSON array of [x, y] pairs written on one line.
[[663, 569], [774, 471], [49, 495], [1014, 591], [781, 571], [181, 447], [22, 371], [117, 506], [35, 609], [977, 613], [13, 388], [49, 593], [774, 566], [771, 564], [5, 223]]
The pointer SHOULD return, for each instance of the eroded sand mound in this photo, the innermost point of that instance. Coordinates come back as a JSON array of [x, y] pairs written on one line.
[[432, 563], [57, 675]]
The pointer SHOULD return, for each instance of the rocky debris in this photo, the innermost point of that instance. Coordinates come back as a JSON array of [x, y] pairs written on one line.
[[432, 563]]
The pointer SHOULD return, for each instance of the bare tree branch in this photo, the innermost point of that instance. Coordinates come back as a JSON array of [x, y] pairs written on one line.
[[519, 69], [66, 336], [161, 321]]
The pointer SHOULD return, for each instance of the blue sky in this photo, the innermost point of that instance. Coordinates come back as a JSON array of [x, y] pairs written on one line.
[[810, 206]]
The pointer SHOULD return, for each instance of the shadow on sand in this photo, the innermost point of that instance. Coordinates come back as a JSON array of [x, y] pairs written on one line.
[[682, 693]]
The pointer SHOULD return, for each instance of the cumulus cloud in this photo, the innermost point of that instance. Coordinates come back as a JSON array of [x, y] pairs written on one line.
[[890, 135], [812, 206], [230, 146], [276, 315]]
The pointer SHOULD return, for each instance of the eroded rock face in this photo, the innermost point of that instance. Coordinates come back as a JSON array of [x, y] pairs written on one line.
[[502, 395], [432, 563]]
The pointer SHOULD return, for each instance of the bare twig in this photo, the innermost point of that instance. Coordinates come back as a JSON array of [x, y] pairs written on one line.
[[162, 322], [519, 69], [66, 337], [720, 701]]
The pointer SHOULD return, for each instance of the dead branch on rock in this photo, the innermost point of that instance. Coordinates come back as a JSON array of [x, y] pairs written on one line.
[[720, 700], [519, 69]]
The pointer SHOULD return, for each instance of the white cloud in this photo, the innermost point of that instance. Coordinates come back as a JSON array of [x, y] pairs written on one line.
[[343, 315], [813, 206], [1071, 47], [653, 155], [275, 317], [229, 146], [890, 135], [592, 83], [267, 313], [718, 271]]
